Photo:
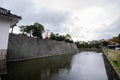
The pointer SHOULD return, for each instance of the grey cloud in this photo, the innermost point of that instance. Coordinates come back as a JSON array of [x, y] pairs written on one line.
[[111, 30], [79, 4], [114, 28], [51, 19], [17, 6], [57, 20]]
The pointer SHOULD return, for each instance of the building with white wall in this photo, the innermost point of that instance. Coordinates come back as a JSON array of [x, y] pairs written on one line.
[[7, 20]]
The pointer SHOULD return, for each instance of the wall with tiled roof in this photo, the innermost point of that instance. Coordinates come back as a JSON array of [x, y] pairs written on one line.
[[8, 13]]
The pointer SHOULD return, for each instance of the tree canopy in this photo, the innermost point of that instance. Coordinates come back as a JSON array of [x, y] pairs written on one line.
[[115, 40], [57, 37], [119, 38], [89, 44], [35, 30]]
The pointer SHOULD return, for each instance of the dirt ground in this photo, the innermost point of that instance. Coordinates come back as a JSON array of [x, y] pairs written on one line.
[[113, 54]]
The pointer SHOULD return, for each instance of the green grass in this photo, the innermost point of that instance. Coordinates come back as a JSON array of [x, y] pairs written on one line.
[[115, 61], [116, 65]]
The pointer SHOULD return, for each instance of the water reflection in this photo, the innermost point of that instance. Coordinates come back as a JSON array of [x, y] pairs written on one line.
[[81, 66], [88, 66], [38, 69]]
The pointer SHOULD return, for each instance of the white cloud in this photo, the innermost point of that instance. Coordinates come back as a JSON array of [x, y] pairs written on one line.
[[83, 19]]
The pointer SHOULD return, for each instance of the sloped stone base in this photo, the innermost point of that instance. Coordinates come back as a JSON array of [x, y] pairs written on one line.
[[3, 69]]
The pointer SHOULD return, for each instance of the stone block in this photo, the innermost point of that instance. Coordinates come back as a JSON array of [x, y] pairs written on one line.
[[3, 51], [3, 69]]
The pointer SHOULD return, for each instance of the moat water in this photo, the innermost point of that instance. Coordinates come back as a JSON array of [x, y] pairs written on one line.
[[79, 66]]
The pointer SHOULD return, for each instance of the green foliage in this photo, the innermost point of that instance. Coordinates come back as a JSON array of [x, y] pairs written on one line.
[[22, 29], [67, 36], [57, 37], [35, 30], [52, 36], [114, 58], [119, 38], [115, 40], [68, 40], [89, 44], [105, 43]]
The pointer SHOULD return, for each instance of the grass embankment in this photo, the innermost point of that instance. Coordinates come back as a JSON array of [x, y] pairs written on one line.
[[114, 57]]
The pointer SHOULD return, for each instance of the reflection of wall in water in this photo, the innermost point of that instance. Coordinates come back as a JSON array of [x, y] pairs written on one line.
[[38, 69]]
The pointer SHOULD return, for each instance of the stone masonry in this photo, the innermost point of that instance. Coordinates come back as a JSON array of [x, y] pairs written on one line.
[[21, 47], [3, 69]]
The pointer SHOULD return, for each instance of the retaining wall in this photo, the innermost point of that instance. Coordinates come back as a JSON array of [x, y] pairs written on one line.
[[22, 47], [111, 73], [3, 69], [91, 49]]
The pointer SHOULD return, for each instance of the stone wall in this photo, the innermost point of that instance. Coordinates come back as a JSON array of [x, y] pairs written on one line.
[[111, 73], [91, 49], [22, 47], [3, 69]]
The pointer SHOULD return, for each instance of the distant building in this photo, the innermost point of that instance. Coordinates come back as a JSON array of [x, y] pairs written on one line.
[[7, 20], [115, 46], [111, 46]]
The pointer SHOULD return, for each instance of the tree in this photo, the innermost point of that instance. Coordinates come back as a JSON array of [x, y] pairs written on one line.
[[35, 30], [67, 36], [22, 29], [52, 36], [105, 43], [57, 37], [119, 38]]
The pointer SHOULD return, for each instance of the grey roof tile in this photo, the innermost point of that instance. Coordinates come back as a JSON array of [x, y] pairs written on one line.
[[6, 12]]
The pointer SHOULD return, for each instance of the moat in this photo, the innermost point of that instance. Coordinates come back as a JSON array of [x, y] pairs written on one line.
[[79, 66]]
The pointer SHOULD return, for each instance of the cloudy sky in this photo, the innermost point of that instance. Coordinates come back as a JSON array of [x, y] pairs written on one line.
[[82, 19]]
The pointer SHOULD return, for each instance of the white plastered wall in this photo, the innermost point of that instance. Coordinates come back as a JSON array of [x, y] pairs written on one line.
[[4, 32]]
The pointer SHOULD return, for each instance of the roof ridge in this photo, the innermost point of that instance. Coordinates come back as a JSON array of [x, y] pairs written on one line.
[[7, 12]]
